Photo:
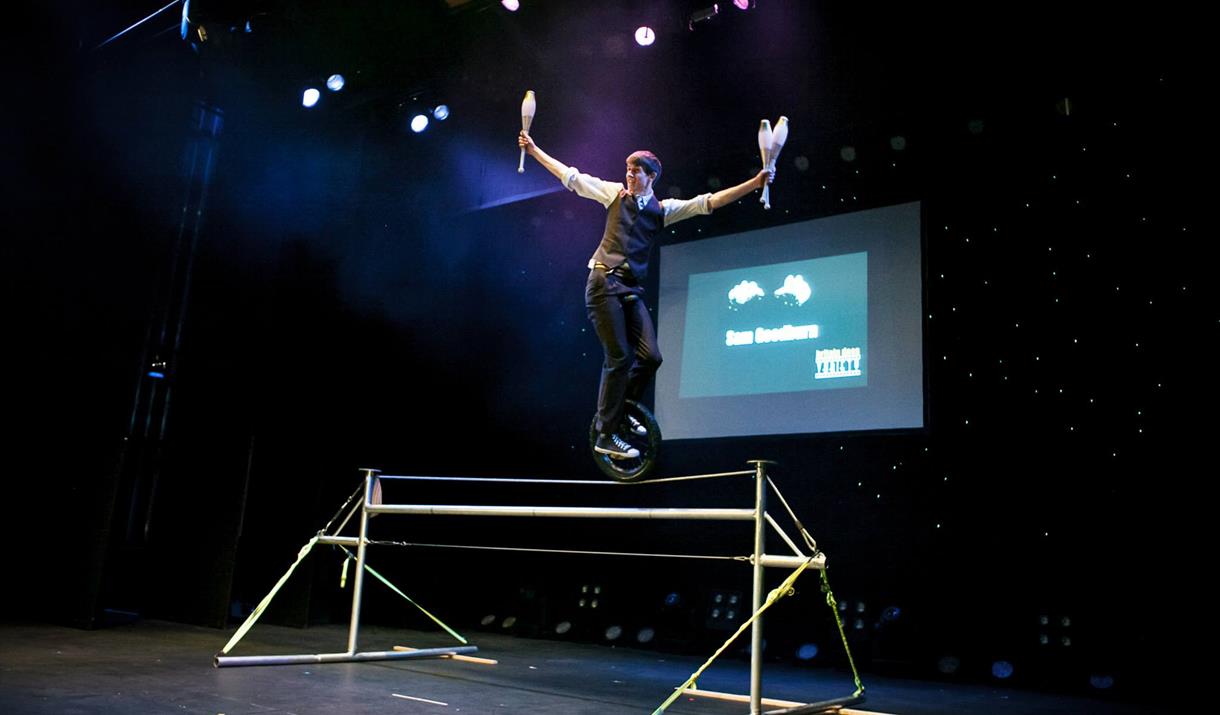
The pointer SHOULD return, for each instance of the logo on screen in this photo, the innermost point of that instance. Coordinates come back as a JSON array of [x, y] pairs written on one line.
[[795, 292], [836, 362]]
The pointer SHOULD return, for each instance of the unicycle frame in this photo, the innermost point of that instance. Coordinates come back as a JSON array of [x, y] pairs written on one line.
[[629, 470]]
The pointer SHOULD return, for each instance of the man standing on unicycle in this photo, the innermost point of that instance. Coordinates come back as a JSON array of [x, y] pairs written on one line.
[[614, 300]]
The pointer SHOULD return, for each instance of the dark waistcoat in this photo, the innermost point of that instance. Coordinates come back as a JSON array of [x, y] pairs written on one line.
[[630, 234]]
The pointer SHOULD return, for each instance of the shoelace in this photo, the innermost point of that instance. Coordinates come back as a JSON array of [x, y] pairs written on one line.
[[620, 442]]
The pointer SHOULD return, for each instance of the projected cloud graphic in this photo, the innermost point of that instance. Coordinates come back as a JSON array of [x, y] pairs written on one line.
[[744, 292], [796, 290]]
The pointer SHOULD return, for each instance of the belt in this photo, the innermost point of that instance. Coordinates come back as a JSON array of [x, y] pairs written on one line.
[[620, 270]]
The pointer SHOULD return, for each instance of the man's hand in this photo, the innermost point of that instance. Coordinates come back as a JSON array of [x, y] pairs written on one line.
[[727, 196], [556, 167], [525, 142]]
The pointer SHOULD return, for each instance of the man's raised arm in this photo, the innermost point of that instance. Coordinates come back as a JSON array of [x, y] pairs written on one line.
[[731, 194], [590, 187], [550, 163]]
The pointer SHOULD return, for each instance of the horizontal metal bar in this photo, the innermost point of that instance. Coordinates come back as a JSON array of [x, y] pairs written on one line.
[[226, 661], [791, 562], [580, 552], [353, 541], [559, 482], [576, 512], [497, 480]]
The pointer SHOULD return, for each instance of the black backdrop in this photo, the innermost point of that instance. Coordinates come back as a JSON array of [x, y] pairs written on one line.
[[352, 306]]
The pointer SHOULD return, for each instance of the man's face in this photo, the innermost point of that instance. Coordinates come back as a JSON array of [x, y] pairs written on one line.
[[639, 182]]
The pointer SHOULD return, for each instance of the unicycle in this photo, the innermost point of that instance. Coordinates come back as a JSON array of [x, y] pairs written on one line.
[[629, 470]]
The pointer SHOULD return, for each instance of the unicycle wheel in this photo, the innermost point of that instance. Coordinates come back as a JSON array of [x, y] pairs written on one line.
[[629, 470]]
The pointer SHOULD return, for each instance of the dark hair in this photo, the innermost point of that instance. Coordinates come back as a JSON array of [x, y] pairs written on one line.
[[647, 161]]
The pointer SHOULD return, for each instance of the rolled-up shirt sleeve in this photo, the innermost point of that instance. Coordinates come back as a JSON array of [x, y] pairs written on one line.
[[591, 187], [681, 209]]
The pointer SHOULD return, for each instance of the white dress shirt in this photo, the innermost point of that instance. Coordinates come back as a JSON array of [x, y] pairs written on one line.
[[605, 192]]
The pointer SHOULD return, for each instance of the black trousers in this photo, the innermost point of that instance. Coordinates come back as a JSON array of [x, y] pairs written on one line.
[[629, 340]]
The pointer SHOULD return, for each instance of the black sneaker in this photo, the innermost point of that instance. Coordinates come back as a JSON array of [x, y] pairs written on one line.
[[635, 427], [615, 446]]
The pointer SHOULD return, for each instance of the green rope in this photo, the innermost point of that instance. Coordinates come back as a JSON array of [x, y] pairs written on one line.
[[262, 606], [834, 608], [394, 588], [780, 591]]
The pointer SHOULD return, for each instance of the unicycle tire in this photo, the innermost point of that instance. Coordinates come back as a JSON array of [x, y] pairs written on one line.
[[629, 470]]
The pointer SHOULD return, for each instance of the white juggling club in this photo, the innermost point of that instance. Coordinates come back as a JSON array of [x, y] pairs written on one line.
[[528, 106]]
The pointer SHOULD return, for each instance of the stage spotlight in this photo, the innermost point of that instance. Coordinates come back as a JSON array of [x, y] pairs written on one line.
[[722, 610], [644, 36], [703, 15], [310, 97], [157, 368], [419, 123], [801, 162], [645, 635], [807, 652], [1101, 681], [673, 599], [847, 153], [487, 620], [441, 113], [335, 82], [257, 22], [1002, 669], [898, 143], [185, 26], [508, 622], [742, 4], [613, 633], [511, 5], [562, 627]]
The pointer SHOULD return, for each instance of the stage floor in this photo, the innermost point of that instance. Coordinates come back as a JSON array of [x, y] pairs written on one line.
[[159, 667]]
